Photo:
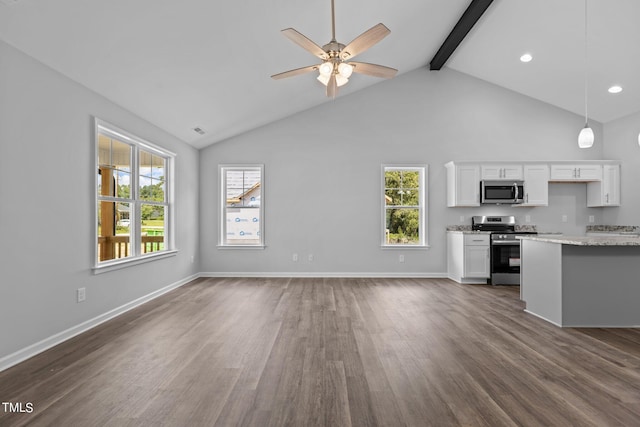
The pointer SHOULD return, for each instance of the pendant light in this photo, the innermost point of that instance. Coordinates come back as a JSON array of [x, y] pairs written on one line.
[[585, 138]]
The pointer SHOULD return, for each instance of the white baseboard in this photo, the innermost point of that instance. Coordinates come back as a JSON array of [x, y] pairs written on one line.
[[34, 349], [364, 275]]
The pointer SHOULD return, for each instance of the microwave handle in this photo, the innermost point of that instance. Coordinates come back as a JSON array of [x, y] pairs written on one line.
[[515, 186]]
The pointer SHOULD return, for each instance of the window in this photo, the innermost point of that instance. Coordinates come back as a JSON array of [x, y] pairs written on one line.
[[404, 215], [242, 205], [133, 203]]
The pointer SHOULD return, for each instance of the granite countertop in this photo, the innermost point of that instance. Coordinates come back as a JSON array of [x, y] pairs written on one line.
[[632, 240], [626, 229], [464, 229]]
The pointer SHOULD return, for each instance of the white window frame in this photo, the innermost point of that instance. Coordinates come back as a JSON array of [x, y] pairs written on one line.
[[137, 144], [423, 170], [222, 241]]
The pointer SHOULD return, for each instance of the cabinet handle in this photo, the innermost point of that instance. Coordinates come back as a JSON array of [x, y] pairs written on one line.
[[579, 174], [527, 198], [607, 197]]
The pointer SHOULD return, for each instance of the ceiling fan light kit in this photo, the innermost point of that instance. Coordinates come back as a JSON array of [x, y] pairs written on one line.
[[334, 71]]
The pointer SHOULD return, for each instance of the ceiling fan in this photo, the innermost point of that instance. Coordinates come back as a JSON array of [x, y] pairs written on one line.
[[336, 67]]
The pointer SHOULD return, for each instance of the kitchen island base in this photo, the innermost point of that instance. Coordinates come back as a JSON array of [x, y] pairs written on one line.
[[581, 285]]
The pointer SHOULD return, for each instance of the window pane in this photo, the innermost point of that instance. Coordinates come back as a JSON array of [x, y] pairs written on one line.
[[241, 222], [146, 161], [152, 228], [152, 189], [158, 167], [113, 230], [121, 155], [403, 226], [243, 226], [123, 184]]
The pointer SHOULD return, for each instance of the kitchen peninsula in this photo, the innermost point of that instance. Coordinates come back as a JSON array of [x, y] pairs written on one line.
[[585, 281]]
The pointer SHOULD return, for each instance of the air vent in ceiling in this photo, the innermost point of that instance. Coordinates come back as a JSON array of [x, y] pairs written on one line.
[[9, 2], [199, 130]]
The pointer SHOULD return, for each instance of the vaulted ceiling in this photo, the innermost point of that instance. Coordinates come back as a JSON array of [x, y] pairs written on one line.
[[207, 64]]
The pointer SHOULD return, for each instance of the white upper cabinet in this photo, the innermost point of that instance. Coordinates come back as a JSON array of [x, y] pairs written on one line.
[[498, 172], [606, 192], [576, 172], [536, 185], [463, 184]]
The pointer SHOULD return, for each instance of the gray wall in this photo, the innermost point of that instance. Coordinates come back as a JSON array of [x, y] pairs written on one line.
[[46, 176], [322, 172], [621, 142]]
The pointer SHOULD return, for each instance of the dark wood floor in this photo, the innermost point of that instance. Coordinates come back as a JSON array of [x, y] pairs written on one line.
[[332, 352]]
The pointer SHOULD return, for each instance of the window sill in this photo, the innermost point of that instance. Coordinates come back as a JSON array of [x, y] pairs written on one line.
[[405, 247], [241, 246], [119, 264]]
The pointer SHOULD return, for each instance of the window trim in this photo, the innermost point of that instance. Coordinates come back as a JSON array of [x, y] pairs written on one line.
[[423, 169], [222, 223], [106, 128]]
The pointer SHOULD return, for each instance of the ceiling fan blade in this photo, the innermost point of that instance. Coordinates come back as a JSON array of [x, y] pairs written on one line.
[[295, 72], [332, 86], [302, 41], [374, 70], [364, 41]]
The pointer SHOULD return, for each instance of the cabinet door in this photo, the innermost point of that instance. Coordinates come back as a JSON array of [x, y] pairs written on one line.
[[476, 261], [491, 172], [607, 191], [611, 185], [512, 172], [536, 185], [589, 172], [467, 185], [563, 172], [576, 172], [498, 172]]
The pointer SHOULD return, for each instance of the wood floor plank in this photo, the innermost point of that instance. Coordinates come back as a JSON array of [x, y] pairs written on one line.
[[331, 352]]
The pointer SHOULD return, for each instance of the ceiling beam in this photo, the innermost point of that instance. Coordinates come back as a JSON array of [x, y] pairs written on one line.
[[459, 32]]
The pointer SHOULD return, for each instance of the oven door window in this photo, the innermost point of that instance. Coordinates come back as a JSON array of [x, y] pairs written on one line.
[[505, 258]]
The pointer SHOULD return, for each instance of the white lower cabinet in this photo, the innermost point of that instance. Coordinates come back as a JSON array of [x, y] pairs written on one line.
[[468, 257]]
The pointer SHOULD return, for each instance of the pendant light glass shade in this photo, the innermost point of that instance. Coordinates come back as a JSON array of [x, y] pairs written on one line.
[[585, 138]]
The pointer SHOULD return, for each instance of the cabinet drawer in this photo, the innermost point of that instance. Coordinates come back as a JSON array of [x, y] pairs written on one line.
[[476, 239]]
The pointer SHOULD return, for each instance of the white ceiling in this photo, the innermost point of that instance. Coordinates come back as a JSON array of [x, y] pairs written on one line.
[[202, 63]]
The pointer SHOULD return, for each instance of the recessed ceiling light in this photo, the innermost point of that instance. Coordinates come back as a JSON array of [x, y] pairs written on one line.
[[526, 57], [615, 89]]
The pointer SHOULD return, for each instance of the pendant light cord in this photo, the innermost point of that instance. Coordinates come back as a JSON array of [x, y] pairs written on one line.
[[586, 63]]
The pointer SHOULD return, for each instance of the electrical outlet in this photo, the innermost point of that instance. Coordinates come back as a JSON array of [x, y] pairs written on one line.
[[193, 258], [81, 294], [527, 218], [564, 218], [294, 258], [401, 258], [592, 219], [461, 218], [310, 257]]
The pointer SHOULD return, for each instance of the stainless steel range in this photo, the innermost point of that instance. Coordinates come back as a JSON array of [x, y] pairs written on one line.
[[504, 247]]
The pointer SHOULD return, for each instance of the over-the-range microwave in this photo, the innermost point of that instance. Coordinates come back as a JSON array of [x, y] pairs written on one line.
[[498, 192]]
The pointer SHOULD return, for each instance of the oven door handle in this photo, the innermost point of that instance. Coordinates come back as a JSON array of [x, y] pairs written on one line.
[[505, 243]]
